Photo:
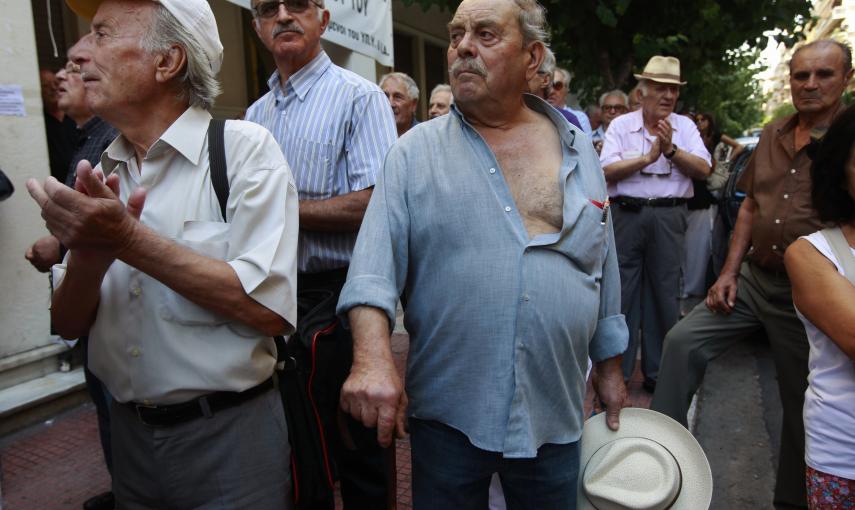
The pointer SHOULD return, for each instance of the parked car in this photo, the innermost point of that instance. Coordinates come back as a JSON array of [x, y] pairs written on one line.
[[731, 198]]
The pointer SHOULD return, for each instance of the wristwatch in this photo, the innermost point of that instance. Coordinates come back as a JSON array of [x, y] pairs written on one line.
[[673, 151]]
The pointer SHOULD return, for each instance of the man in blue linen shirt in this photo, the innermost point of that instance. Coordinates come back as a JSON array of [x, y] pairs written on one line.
[[334, 128], [492, 221]]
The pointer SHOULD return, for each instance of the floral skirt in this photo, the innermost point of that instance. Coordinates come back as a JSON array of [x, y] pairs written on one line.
[[829, 492]]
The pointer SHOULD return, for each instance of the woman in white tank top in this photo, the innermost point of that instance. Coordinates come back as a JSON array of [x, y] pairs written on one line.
[[822, 269]]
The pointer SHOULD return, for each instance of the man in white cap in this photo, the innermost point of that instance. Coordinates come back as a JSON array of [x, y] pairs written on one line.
[[650, 157], [180, 297]]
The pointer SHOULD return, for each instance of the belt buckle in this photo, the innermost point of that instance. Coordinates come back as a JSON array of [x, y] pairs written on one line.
[[137, 408]]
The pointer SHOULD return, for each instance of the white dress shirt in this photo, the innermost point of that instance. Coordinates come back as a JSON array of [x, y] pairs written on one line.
[[148, 343]]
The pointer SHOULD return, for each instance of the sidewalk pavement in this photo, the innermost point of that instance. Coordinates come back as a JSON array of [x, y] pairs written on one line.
[[58, 464]]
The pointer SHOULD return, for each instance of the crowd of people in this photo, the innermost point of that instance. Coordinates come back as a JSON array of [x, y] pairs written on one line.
[[527, 241]]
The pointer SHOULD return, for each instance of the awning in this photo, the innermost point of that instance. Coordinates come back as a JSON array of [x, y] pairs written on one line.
[[364, 26]]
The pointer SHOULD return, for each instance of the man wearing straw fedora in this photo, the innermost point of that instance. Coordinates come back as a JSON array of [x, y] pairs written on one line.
[[650, 157], [181, 297]]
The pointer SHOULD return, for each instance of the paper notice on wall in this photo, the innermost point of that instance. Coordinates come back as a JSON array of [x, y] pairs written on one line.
[[12, 101]]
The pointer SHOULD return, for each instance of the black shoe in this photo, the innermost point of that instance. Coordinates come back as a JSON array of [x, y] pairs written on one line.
[[649, 385], [105, 501]]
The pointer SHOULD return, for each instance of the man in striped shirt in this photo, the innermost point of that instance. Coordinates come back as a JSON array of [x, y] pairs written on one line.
[[334, 128]]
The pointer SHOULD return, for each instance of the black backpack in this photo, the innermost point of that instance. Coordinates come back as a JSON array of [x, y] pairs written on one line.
[[306, 405]]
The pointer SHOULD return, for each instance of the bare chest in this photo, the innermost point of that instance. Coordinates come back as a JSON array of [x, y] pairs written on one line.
[[531, 171]]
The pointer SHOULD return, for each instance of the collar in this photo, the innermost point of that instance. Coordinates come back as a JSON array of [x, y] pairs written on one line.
[[566, 131], [303, 80], [187, 135]]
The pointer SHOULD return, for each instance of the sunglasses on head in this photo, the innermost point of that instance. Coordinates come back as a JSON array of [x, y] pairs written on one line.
[[270, 9]]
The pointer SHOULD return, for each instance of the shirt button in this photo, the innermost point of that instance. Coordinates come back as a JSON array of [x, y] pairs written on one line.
[[786, 196], [492, 170], [525, 297], [774, 246], [136, 291], [777, 221], [792, 170], [507, 208], [135, 352]]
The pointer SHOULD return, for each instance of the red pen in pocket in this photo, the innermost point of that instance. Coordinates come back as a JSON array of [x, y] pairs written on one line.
[[605, 207]]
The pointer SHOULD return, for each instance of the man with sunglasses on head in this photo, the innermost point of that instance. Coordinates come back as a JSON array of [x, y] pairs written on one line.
[[334, 128]]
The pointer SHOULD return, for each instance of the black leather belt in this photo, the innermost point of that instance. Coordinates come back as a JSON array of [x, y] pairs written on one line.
[[206, 405], [637, 203]]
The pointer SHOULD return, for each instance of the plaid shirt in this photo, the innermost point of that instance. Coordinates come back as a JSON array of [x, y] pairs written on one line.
[[92, 140]]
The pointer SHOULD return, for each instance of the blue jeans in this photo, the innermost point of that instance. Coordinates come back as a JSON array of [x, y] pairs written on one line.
[[450, 472]]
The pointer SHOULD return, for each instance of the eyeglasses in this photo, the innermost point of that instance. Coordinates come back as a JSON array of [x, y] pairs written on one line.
[[268, 10], [614, 107], [72, 68]]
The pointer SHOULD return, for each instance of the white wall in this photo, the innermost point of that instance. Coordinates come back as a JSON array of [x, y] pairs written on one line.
[[23, 153]]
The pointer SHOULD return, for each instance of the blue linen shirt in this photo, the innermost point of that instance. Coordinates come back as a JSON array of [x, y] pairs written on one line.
[[500, 325], [334, 128]]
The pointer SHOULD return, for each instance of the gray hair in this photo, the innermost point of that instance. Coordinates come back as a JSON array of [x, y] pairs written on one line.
[[198, 82], [825, 43], [409, 83], [566, 75], [532, 18], [642, 87], [548, 64], [442, 87], [616, 92]]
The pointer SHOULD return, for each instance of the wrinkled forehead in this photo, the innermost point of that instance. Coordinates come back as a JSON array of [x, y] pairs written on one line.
[[394, 84], [474, 13], [440, 96], [814, 59], [129, 15]]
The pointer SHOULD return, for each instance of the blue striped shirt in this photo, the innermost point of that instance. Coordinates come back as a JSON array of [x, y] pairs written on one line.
[[334, 128]]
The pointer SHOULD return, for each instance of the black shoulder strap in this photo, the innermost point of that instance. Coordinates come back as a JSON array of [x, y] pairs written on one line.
[[217, 159], [220, 182]]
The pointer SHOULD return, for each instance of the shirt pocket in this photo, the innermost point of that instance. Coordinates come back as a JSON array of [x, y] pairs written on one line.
[[312, 165], [586, 243], [208, 238]]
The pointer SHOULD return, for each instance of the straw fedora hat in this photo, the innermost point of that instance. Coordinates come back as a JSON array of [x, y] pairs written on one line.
[[661, 69], [651, 463]]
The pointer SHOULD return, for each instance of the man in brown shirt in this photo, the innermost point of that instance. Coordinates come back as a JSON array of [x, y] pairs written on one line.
[[755, 294]]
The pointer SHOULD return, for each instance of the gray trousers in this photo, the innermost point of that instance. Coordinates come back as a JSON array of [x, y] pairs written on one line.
[[650, 245], [696, 257], [237, 459], [763, 301]]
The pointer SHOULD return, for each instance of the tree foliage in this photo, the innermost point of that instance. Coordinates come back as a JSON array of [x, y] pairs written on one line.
[[603, 42]]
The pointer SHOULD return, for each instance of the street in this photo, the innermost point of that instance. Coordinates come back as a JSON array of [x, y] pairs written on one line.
[[58, 464]]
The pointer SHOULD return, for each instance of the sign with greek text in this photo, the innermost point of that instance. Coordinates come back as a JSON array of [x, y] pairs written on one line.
[[364, 26]]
